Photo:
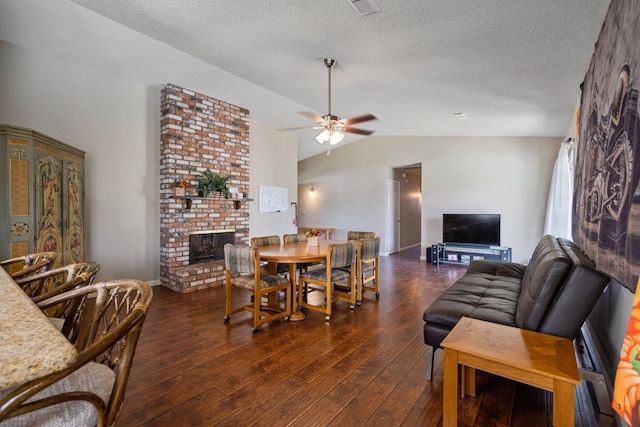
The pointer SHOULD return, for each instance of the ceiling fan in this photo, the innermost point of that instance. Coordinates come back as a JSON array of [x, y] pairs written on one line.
[[333, 127]]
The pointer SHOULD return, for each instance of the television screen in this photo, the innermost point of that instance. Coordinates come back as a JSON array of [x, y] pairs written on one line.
[[480, 229]]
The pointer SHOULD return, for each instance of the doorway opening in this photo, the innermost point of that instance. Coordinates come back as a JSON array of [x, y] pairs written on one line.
[[404, 216]]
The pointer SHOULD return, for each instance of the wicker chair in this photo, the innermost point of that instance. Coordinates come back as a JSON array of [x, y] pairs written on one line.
[[337, 279], [359, 235], [25, 265], [51, 282], [91, 391], [242, 269]]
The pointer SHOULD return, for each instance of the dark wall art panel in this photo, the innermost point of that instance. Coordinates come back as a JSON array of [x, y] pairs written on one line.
[[606, 222]]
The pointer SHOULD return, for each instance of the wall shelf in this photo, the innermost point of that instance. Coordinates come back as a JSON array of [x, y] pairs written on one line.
[[189, 199]]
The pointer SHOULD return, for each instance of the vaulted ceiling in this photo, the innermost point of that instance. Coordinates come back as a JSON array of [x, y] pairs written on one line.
[[512, 67]]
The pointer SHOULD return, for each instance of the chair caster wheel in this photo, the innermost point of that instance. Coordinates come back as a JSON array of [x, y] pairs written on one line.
[[255, 330], [286, 318], [352, 307], [327, 319], [226, 319], [359, 303], [377, 295]]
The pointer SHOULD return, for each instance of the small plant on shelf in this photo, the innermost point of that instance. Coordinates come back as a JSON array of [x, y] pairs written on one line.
[[183, 183], [180, 187], [209, 181]]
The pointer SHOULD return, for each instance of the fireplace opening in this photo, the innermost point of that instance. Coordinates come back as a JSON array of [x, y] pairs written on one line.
[[208, 246]]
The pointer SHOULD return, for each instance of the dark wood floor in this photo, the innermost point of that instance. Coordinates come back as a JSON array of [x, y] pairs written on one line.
[[367, 367]]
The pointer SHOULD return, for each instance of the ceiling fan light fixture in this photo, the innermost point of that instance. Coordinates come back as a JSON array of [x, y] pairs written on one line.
[[335, 137], [331, 136], [333, 127], [323, 136]]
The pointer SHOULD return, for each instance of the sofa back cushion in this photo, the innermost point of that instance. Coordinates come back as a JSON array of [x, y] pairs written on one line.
[[577, 295], [546, 271]]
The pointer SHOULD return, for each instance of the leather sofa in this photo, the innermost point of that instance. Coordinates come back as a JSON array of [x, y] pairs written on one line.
[[554, 293]]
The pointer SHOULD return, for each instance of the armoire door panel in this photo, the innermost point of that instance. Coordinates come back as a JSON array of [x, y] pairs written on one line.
[[49, 205], [41, 196]]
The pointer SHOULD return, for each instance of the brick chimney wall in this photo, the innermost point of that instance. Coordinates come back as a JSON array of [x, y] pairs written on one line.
[[199, 132]]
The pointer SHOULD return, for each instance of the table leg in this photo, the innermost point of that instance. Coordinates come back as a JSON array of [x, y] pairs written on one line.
[[469, 381], [296, 315], [272, 298], [563, 404], [450, 389]]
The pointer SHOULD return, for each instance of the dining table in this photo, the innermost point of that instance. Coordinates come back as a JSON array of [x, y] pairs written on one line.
[[294, 254], [30, 345]]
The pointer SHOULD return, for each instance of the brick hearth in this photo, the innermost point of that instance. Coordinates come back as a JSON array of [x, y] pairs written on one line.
[[199, 132]]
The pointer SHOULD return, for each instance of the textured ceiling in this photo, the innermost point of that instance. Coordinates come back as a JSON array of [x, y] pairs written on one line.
[[513, 67]]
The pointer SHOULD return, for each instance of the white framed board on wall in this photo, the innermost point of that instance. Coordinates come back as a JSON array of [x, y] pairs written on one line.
[[273, 199]]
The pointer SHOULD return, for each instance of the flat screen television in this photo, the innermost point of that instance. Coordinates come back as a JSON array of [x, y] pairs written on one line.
[[479, 229]]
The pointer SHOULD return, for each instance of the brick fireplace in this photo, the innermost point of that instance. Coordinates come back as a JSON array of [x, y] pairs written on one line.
[[199, 132]]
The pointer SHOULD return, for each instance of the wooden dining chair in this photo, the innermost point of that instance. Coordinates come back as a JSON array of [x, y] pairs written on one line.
[[242, 270], [337, 279], [25, 265], [294, 238], [274, 240], [89, 392], [368, 267], [265, 241], [359, 235]]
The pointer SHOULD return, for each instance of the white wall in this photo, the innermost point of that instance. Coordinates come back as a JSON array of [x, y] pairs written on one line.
[[274, 158], [116, 122], [509, 176]]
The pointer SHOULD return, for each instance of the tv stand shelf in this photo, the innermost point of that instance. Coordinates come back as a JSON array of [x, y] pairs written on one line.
[[464, 253]]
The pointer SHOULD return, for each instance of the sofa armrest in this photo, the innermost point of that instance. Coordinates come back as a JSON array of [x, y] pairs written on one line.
[[577, 296], [497, 268]]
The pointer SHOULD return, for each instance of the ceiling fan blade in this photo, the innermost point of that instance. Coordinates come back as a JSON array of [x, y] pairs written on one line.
[[316, 118], [358, 131], [359, 119]]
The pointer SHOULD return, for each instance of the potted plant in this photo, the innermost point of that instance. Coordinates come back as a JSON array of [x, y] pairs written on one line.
[[180, 187], [313, 237], [209, 181]]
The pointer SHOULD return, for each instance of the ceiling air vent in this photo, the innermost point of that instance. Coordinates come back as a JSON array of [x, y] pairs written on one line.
[[364, 7]]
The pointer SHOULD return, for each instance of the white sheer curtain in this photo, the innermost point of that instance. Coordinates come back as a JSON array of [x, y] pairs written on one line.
[[558, 219]]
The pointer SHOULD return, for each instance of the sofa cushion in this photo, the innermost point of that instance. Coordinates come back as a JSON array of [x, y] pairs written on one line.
[[547, 269], [497, 268], [93, 377], [479, 295]]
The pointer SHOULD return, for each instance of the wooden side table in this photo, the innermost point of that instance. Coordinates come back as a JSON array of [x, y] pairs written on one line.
[[544, 361]]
